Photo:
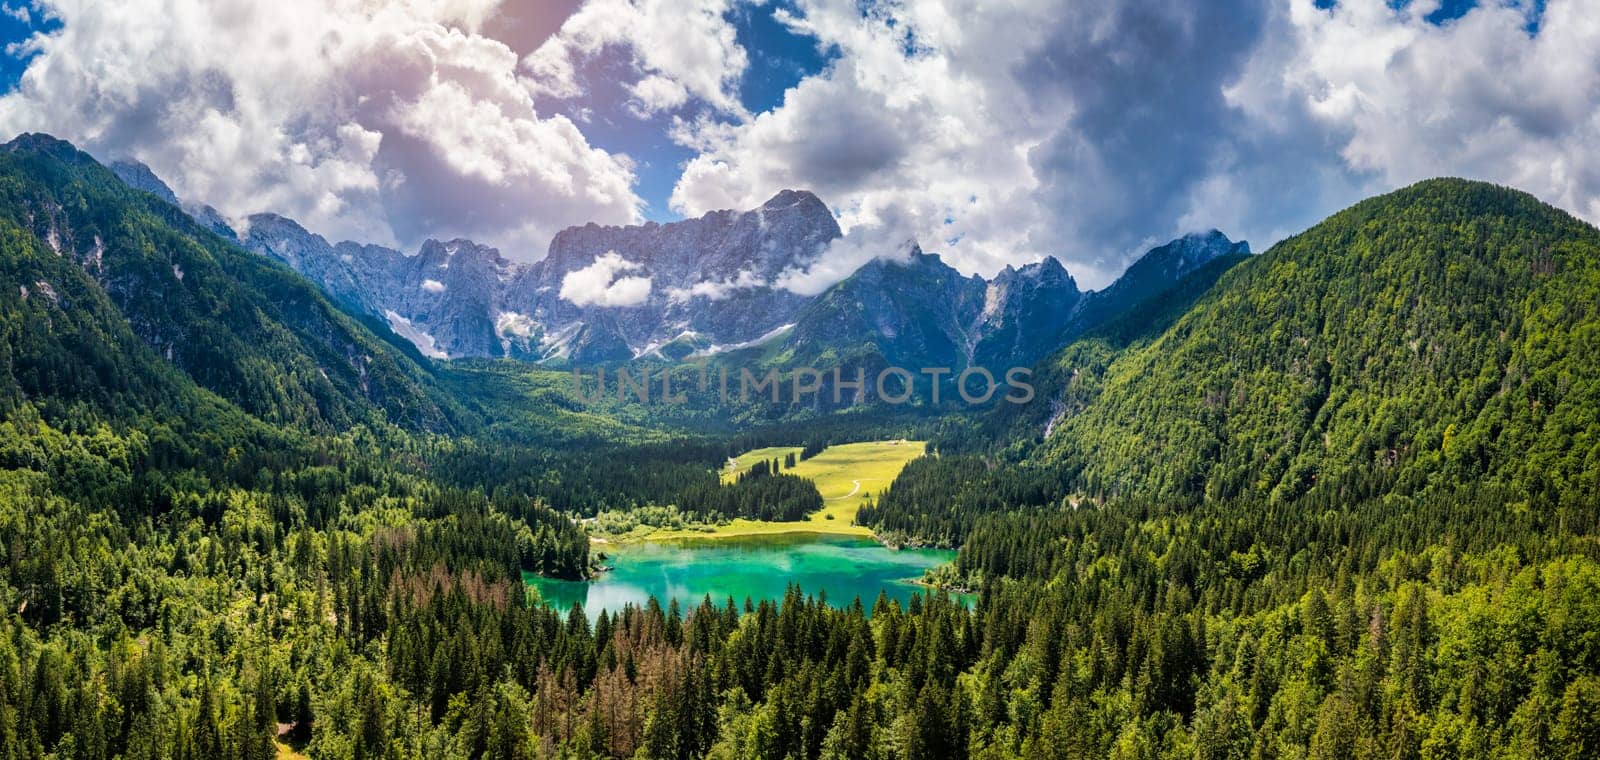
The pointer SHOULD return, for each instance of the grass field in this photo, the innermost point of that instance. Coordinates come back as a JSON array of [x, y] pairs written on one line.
[[743, 462], [846, 476]]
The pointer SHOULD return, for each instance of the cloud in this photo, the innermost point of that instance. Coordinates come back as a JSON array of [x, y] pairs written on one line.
[[655, 94], [1508, 93], [433, 286], [997, 133], [515, 324], [993, 133], [683, 47], [384, 123], [846, 254], [716, 290], [599, 284]]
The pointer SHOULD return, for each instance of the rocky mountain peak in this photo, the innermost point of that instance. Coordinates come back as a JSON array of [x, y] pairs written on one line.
[[1045, 271], [710, 288], [787, 231], [919, 311], [283, 238], [137, 175], [802, 203], [266, 223], [1168, 263], [1189, 252], [460, 252]]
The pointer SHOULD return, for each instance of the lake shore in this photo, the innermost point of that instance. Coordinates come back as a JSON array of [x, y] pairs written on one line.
[[936, 587], [742, 528], [758, 567]]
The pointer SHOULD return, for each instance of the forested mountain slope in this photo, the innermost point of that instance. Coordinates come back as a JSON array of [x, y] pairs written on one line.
[[1347, 510], [91, 260], [1069, 378], [1448, 332], [319, 580]]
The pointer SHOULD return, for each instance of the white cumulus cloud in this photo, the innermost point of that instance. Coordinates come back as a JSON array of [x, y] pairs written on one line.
[[656, 93], [683, 47], [604, 283], [993, 132], [1000, 132], [1502, 93], [716, 290], [377, 122], [981, 131]]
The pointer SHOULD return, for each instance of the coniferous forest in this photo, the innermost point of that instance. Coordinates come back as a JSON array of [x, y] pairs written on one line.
[[1343, 503]]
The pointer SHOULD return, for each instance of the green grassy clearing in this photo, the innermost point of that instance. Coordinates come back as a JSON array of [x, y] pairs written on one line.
[[744, 461], [846, 476]]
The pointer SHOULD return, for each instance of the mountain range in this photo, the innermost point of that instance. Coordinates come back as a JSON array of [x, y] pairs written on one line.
[[1338, 499], [921, 312], [1442, 333], [705, 287]]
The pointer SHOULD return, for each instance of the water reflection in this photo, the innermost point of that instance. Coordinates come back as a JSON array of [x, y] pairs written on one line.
[[756, 567]]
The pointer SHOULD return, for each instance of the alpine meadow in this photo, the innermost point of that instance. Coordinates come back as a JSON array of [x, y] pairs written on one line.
[[606, 379]]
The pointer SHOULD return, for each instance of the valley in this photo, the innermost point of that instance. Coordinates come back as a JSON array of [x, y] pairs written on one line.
[[799, 380], [735, 561], [1336, 499], [846, 475]]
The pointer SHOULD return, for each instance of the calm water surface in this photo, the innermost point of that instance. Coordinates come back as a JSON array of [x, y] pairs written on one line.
[[756, 567]]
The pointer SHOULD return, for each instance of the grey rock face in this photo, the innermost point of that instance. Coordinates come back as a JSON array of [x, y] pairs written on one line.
[[211, 219], [138, 176], [912, 313], [706, 286], [349, 279], [710, 290], [923, 313], [1025, 313], [453, 290], [444, 299], [1153, 273], [709, 279], [699, 282]]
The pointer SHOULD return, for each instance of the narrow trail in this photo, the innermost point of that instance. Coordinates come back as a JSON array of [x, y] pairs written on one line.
[[853, 491]]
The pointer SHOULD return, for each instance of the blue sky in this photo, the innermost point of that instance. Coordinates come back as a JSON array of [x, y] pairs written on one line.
[[779, 59], [993, 133], [15, 30]]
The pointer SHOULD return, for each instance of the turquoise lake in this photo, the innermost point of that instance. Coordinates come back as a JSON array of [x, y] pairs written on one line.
[[755, 567]]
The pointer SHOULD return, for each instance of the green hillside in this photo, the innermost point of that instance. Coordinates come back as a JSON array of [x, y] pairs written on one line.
[[248, 329], [1442, 334], [1071, 377], [1335, 501], [1342, 507]]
